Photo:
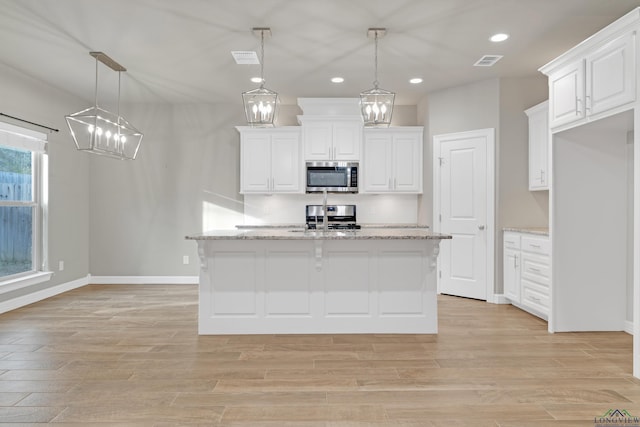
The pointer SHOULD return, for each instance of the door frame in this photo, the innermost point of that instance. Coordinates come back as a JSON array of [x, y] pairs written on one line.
[[489, 137]]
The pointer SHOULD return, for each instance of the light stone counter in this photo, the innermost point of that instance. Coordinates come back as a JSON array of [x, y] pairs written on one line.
[[541, 231], [269, 233], [295, 226]]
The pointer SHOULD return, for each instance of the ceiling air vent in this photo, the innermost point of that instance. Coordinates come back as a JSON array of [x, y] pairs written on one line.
[[244, 57], [487, 61]]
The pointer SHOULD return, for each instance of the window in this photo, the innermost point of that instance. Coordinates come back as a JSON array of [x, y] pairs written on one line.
[[22, 160]]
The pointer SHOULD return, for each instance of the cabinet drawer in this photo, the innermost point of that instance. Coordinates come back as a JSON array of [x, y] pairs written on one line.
[[537, 245], [511, 240], [536, 268], [535, 297]]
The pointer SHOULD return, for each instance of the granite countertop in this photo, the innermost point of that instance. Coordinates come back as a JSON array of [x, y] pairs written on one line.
[[296, 226], [542, 231], [302, 234]]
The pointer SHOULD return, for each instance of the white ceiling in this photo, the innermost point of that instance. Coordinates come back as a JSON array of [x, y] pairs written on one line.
[[179, 51]]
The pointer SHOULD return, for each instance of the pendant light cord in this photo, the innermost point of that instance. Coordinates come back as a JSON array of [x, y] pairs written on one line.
[[262, 59], [118, 108], [95, 94], [375, 80]]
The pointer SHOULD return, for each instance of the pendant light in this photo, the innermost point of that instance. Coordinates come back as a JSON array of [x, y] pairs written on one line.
[[376, 105], [260, 104], [98, 131]]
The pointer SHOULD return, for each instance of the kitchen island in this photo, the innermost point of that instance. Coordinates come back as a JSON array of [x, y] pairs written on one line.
[[292, 280]]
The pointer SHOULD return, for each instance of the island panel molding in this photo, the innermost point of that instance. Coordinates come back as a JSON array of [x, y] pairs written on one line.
[[368, 281]]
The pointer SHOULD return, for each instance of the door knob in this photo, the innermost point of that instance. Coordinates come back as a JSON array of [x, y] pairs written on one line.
[[481, 227]]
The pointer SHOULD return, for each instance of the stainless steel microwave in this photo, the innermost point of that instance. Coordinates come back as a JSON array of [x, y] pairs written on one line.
[[334, 177]]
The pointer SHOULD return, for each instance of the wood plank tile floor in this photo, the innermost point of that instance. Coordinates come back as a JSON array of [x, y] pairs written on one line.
[[117, 355]]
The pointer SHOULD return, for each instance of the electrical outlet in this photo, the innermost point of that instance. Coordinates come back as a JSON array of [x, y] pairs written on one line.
[[185, 259], [60, 265]]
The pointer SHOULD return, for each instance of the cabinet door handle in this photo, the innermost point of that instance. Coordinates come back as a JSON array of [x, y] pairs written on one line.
[[481, 227], [542, 176], [578, 101], [587, 103], [515, 261], [390, 184], [395, 183]]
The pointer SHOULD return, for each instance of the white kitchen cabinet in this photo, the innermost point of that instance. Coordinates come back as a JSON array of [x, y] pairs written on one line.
[[594, 79], [535, 275], [392, 160], [336, 138], [511, 266], [539, 146], [270, 160], [610, 72], [527, 271], [566, 94]]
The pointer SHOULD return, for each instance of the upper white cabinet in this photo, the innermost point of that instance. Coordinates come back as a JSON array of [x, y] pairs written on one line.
[[270, 160], [566, 92], [611, 78], [392, 160], [331, 138], [538, 146], [595, 79]]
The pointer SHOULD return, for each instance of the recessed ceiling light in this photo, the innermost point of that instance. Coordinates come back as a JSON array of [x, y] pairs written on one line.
[[256, 79], [337, 79], [415, 80], [500, 37]]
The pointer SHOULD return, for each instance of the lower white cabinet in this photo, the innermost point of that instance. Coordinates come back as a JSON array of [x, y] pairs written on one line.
[[527, 271], [511, 264]]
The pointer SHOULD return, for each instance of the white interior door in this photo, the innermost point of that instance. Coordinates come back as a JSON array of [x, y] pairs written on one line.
[[463, 208]]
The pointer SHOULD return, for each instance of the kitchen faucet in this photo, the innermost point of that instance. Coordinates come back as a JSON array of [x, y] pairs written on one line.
[[325, 220]]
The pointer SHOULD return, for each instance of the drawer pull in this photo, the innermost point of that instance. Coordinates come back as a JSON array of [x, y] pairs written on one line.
[[535, 270], [535, 246], [535, 299]]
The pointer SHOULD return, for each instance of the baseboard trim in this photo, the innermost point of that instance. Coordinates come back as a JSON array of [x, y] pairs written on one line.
[[628, 327], [31, 298], [500, 299], [144, 280]]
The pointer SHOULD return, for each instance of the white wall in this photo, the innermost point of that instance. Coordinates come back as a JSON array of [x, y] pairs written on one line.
[[590, 226], [68, 233], [498, 104], [185, 177]]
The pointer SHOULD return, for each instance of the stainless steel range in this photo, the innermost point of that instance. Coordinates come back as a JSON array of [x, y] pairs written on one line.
[[339, 217]]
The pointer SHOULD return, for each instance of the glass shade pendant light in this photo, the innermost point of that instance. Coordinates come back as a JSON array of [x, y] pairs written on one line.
[[98, 131], [260, 104], [376, 104]]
